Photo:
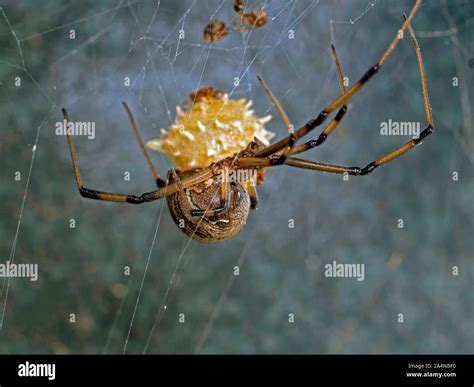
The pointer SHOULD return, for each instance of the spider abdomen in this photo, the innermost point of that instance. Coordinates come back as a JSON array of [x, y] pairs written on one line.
[[206, 196]]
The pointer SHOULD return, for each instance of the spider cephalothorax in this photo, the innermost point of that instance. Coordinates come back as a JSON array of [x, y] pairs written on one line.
[[221, 150]]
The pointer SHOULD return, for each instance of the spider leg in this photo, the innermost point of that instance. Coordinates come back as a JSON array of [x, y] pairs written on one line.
[[299, 163], [334, 122], [252, 190], [291, 148], [125, 198], [313, 123], [306, 164], [292, 139], [159, 182], [225, 197]]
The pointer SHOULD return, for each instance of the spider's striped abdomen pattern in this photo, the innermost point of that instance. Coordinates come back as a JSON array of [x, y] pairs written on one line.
[[220, 226]]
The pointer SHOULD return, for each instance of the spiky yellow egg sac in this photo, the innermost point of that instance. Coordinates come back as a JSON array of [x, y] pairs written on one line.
[[211, 128]]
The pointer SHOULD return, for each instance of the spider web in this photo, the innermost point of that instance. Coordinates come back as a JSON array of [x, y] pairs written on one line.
[[185, 297]]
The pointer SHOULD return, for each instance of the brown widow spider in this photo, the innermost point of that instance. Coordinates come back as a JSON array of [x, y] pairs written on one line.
[[192, 195]]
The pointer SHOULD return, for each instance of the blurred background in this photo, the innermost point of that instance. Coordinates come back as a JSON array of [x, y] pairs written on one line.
[[182, 296]]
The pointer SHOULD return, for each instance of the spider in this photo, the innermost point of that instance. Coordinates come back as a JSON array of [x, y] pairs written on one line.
[[210, 206], [256, 18], [215, 30]]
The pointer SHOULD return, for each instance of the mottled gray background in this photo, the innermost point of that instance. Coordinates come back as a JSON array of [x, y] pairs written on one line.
[[408, 270]]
